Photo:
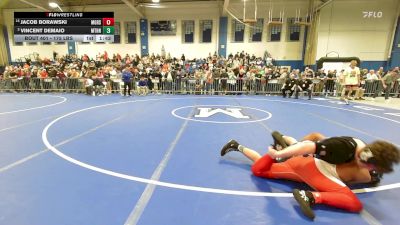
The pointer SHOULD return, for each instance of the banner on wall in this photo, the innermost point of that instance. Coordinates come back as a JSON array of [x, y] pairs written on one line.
[[338, 66], [335, 63]]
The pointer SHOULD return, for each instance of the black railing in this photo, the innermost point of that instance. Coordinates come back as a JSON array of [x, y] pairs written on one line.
[[179, 86]]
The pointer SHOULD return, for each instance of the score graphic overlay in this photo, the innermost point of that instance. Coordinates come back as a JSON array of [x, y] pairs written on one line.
[[64, 26]]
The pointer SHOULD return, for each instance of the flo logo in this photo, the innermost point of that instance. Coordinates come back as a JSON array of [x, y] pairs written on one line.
[[221, 114], [233, 112], [372, 14]]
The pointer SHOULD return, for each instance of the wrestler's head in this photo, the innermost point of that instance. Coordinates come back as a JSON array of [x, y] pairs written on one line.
[[380, 155], [353, 63], [314, 136]]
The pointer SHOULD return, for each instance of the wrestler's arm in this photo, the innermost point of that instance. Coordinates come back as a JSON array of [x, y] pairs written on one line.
[[301, 148]]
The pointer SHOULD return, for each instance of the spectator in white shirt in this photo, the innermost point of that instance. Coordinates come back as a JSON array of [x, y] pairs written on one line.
[[352, 80], [372, 75]]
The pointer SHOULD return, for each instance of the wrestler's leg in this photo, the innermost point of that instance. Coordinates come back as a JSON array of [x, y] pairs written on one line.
[[267, 167], [250, 153], [314, 136], [329, 191], [233, 145], [342, 198]]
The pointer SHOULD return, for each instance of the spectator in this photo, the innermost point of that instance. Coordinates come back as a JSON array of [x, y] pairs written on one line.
[[89, 86], [304, 85], [142, 86], [319, 79], [43, 74], [330, 83], [115, 78], [250, 73], [231, 80], [150, 83], [387, 83], [372, 75], [381, 72], [224, 79], [371, 82], [289, 85], [209, 82], [126, 78], [351, 79]]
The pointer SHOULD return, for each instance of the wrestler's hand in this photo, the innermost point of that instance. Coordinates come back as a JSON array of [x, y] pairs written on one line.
[[273, 152]]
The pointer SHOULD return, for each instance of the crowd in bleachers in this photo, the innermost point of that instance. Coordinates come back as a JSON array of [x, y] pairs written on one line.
[[236, 74]]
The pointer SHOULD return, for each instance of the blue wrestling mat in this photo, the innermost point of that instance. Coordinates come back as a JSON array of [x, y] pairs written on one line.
[[80, 160]]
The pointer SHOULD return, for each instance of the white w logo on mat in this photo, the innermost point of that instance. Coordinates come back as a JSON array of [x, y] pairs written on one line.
[[233, 112]]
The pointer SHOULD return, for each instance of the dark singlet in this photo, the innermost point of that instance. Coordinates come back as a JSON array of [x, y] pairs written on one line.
[[336, 150]]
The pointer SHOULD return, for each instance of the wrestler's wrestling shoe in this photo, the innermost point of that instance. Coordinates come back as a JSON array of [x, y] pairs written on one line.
[[232, 145], [305, 200], [279, 142]]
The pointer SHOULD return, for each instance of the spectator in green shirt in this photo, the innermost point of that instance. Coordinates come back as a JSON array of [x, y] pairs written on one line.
[[387, 83]]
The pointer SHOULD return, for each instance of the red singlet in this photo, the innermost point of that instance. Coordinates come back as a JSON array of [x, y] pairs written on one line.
[[304, 169]]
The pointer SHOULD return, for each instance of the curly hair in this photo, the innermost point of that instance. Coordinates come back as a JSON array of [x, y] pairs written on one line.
[[314, 136], [385, 155]]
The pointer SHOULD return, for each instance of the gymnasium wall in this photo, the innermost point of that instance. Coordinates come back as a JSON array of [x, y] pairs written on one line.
[[122, 14], [179, 12], [346, 31], [284, 50], [281, 50], [342, 30]]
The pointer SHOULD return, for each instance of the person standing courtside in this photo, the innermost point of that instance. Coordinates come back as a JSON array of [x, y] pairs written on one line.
[[351, 77], [126, 78], [387, 83]]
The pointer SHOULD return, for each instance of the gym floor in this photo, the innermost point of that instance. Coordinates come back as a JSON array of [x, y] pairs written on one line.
[[79, 160]]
